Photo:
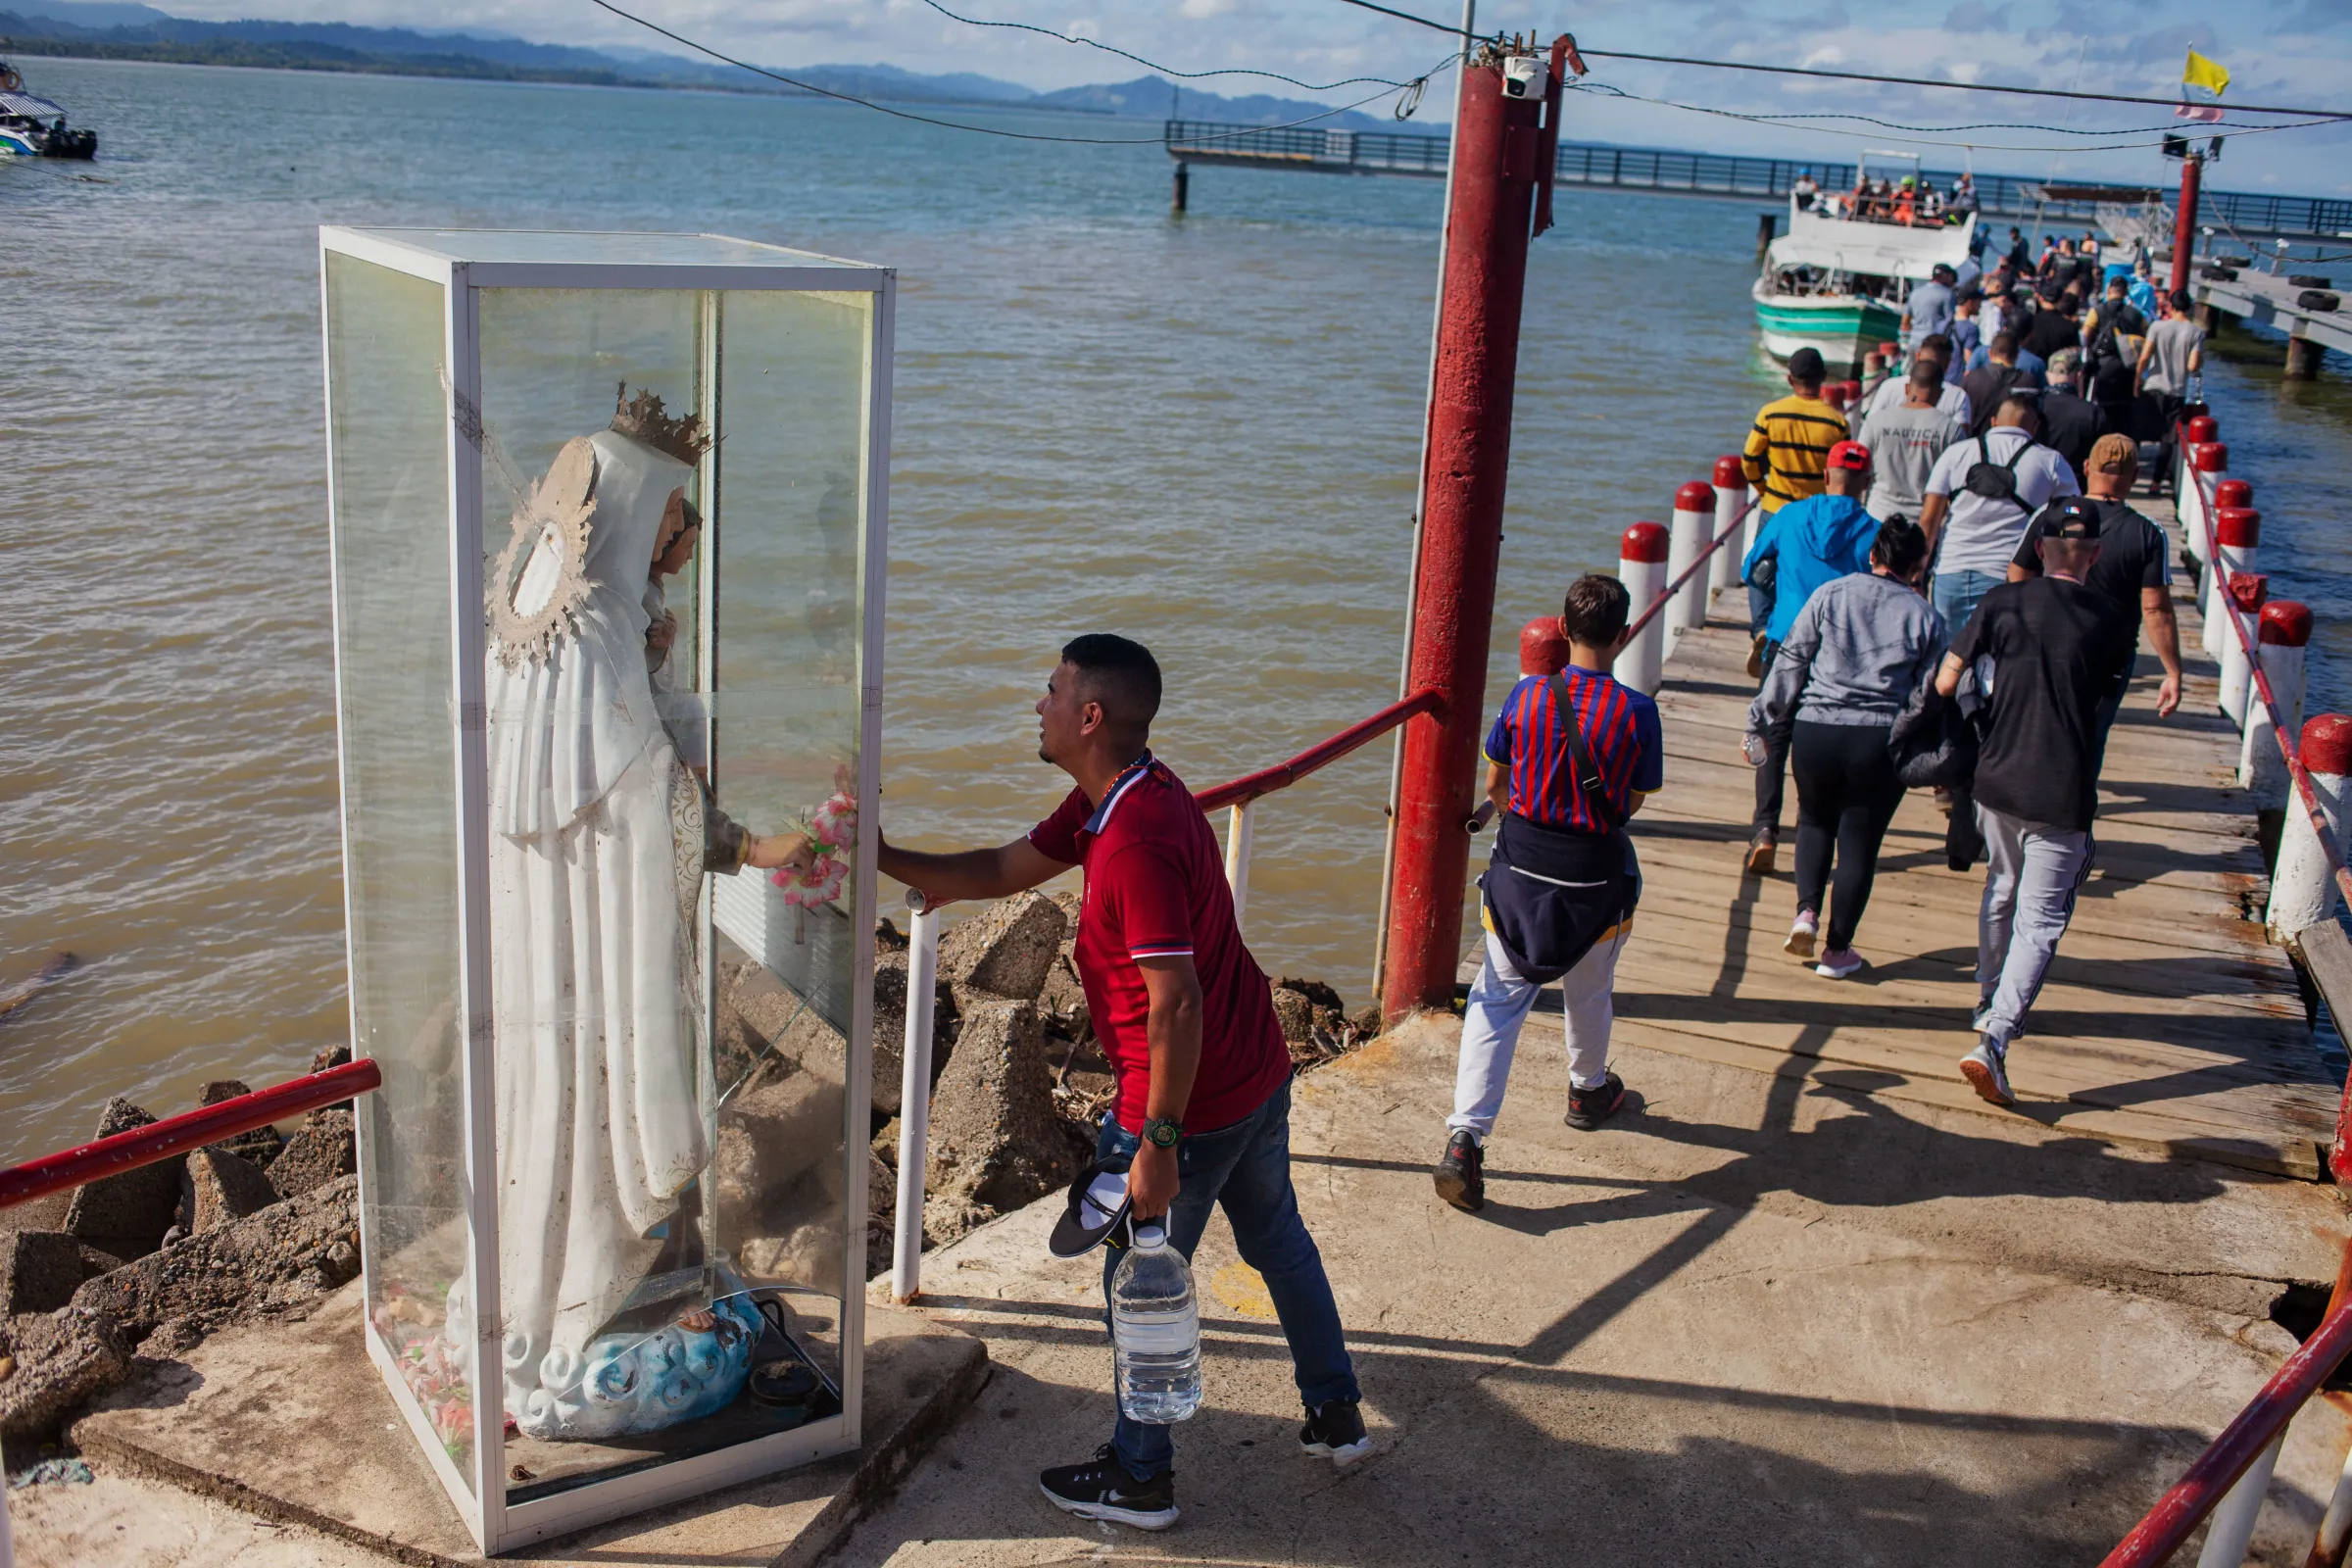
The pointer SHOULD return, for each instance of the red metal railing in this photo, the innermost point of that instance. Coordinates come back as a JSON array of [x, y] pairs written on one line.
[[177, 1134], [1282, 775]]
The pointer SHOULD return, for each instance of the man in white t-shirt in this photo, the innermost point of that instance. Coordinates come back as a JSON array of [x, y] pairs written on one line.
[[1951, 400], [1905, 442], [1980, 497]]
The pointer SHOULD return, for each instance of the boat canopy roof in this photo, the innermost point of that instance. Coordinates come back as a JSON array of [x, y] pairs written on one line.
[[1879, 249], [25, 106]]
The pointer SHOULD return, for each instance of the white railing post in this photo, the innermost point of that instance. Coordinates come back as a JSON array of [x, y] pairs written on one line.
[[2303, 887], [914, 1097], [2235, 538], [1731, 496], [1641, 567], [1693, 526], [2232, 1530], [2284, 632], [1237, 860]]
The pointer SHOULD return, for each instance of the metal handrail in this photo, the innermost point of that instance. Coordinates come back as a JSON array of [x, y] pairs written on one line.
[[191, 1129], [1667, 593], [2208, 506], [1282, 775]]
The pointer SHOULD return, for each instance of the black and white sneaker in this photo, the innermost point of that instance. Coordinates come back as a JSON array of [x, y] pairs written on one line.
[[1336, 1432], [1104, 1490], [1460, 1172]]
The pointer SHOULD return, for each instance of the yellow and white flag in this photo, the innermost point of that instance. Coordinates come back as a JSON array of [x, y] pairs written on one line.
[[2203, 72]]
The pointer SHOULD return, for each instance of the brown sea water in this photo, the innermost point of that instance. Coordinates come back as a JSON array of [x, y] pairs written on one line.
[[1201, 433]]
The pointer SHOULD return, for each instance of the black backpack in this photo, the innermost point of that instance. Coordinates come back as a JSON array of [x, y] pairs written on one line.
[[1997, 481]]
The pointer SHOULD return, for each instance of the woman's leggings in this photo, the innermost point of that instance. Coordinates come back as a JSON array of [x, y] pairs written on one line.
[[1846, 792]]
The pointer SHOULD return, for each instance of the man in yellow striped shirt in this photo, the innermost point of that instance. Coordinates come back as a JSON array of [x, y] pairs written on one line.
[[1791, 443]]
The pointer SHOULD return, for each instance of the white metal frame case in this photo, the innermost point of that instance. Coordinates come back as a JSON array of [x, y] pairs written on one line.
[[462, 263]]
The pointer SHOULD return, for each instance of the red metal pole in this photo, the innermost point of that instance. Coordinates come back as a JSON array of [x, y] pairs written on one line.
[[1497, 151], [2185, 221]]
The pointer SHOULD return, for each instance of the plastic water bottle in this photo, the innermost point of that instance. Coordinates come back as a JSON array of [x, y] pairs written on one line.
[[1156, 1331]]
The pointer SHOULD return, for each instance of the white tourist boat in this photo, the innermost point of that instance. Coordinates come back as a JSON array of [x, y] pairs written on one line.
[[36, 127], [1838, 281]]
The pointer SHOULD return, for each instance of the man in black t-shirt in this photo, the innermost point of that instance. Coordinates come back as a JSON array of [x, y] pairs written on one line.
[[2044, 651], [2134, 569]]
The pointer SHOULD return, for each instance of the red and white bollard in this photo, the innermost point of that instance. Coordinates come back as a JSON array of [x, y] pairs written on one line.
[[2248, 592], [1694, 526], [2212, 459], [2239, 532], [1731, 495], [2303, 888], [1543, 647], [2286, 630], [2194, 432], [1833, 393], [1641, 567], [2226, 493]]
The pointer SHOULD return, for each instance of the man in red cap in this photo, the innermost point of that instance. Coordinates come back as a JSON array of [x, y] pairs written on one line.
[[1801, 547]]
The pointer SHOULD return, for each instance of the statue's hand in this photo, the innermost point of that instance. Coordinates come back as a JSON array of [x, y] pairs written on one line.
[[782, 852], [662, 633]]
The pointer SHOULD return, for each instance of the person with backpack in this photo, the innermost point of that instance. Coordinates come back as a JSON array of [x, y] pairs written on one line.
[[1980, 496], [1571, 758], [1986, 386], [1862, 645]]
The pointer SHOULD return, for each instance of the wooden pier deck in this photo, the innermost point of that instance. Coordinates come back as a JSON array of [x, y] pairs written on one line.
[[2168, 1020]]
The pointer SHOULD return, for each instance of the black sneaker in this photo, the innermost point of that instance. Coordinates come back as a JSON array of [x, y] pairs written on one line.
[[1104, 1490], [1337, 1432], [1461, 1174], [1588, 1109]]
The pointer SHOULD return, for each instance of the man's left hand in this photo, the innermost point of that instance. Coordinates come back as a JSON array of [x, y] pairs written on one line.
[[2167, 697], [1151, 1181]]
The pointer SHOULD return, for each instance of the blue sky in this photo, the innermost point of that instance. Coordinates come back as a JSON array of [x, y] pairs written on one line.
[[2278, 51]]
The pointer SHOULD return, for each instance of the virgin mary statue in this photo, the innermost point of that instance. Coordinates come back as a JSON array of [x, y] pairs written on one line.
[[596, 851]]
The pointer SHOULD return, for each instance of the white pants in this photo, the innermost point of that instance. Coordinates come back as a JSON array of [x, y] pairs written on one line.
[[2031, 874], [1499, 1005]]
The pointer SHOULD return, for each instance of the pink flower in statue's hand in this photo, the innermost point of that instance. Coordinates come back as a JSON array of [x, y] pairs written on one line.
[[820, 884], [835, 824]]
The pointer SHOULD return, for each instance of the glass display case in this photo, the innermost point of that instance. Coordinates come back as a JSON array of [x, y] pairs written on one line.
[[608, 517]]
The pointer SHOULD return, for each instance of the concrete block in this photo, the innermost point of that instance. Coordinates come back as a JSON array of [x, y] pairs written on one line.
[[320, 1151], [39, 1270], [224, 1188], [996, 1139], [277, 1261], [57, 1363], [787, 1123], [126, 1214], [1005, 950]]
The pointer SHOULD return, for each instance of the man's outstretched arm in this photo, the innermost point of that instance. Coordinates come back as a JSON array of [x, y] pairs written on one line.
[[970, 874]]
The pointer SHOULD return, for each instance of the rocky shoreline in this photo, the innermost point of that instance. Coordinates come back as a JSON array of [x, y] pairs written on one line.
[[140, 1267]]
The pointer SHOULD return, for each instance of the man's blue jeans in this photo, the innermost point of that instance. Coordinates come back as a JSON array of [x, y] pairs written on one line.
[[1246, 1168], [1956, 594]]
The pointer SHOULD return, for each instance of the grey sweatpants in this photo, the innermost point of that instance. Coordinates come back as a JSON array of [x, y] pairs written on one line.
[[2031, 874]]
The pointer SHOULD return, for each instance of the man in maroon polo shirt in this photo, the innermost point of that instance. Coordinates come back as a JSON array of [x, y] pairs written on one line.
[[1187, 1019]]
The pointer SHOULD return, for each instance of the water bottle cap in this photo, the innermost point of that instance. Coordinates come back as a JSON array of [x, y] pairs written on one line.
[[1151, 1235]]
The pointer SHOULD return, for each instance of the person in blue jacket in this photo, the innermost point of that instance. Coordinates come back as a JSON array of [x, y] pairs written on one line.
[[1801, 547]]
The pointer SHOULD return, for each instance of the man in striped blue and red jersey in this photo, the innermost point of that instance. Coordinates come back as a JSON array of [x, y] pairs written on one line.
[[1569, 760]]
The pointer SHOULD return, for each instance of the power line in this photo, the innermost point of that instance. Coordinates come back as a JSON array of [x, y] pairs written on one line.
[[1412, 87], [1864, 77], [1153, 65], [1927, 81]]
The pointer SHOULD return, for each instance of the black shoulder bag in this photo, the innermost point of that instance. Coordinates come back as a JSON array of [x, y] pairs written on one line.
[[1588, 781]]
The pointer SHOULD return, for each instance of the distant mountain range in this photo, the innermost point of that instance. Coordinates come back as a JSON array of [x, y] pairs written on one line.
[[92, 30]]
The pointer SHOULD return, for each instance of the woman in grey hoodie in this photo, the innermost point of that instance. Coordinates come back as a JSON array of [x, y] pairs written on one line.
[[1859, 648]]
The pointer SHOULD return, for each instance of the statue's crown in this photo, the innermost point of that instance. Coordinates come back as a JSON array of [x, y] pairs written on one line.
[[640, 419]]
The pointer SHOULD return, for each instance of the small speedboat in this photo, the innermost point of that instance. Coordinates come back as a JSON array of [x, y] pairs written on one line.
[[36, 127]]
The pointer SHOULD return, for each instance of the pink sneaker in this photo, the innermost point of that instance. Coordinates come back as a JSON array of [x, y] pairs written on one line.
[[1840, 963], [1802, 933]]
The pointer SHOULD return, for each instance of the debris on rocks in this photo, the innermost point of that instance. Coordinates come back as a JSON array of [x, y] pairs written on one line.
[[52, 1472], [1315, 1023]]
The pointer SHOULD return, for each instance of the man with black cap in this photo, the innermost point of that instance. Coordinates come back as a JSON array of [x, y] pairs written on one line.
[[2048, 650], [1203, 1114]]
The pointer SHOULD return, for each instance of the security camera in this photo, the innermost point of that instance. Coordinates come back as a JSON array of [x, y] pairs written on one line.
[[1524, 76]]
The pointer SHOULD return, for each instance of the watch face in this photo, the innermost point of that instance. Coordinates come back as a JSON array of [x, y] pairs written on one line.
[[1163, 1133]]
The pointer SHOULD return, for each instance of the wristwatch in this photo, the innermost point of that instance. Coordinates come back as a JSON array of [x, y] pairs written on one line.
[[1163, 1133]]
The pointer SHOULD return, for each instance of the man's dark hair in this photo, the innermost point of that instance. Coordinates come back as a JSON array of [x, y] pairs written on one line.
[[2117, 286], [1120, 674], [1595, 610], [1925, 371], [1936, 343], [1900, 547], [2020, 398], [2004, 344], [2179, 300]]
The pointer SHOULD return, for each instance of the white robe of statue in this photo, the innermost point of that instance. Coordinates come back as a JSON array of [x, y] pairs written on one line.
[[601, 1108]]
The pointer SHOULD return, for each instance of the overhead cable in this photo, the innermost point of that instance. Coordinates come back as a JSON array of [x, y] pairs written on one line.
[[1412, 88], [1153, 65], [1866, 76]]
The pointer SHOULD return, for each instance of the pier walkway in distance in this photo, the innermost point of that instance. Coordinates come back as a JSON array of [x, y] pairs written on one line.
[[2167, 1018]]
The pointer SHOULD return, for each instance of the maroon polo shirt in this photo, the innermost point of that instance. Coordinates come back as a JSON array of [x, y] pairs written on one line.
[[1155, 887]]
